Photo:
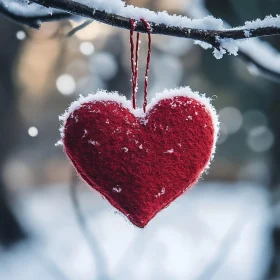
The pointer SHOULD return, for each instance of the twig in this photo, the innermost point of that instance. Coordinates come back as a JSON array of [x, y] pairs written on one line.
[[32, 21], [79, 27], [50, 265], [264, 71], [224, 250], [101, 264]]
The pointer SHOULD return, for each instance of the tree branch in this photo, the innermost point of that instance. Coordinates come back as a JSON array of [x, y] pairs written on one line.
[[250, 53], [66, 9], [211, 37], [79, 27], [32, 21]]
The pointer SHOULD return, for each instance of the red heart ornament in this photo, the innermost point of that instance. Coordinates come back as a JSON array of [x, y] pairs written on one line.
[[140, 162]]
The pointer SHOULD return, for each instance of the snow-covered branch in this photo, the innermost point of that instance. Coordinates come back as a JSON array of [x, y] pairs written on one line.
[[116, 13], [260, 57], [33, 20]]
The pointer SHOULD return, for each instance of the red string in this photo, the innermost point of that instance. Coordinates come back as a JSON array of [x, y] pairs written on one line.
[[147, 65], [135, 63], [133, 76]]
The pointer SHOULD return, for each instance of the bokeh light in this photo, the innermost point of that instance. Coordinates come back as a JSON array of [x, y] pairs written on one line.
[[232, 118], [21, 35], [260, 139], [33, 131], [86, 48], [66, 84]]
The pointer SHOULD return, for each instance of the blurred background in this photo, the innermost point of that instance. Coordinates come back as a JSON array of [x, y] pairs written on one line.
[[227, 227]]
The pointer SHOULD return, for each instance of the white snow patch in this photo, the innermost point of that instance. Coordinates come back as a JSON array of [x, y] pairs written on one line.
[[125, 149], [21, 7], [204, 45], [117, 189], [230, 45], [59, 143], [94, 143], [247, 33], [85, 133], [226, 45], [219, 53], [162, 192], [144, 121], [268, 21]]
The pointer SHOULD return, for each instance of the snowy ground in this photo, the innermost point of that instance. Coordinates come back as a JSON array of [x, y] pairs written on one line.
[[220, 230]]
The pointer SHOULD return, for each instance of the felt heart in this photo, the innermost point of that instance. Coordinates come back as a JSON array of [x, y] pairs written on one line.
[[140, 162]]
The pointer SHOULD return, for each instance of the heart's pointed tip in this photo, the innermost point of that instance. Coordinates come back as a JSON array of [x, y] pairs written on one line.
[[139, 223]]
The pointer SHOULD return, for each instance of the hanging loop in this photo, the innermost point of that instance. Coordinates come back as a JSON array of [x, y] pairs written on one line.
[[134, 58]]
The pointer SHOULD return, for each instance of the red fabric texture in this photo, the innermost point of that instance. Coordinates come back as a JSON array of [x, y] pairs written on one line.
[[140, 165]]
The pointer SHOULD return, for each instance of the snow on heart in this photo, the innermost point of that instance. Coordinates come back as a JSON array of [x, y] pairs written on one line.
[[140, 162]]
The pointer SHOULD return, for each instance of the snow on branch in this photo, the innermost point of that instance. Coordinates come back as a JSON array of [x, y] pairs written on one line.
[[18, 11], [261, 58], [208, 31]]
